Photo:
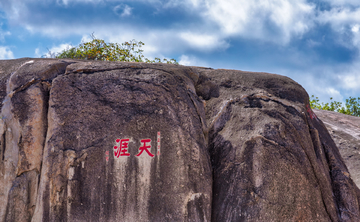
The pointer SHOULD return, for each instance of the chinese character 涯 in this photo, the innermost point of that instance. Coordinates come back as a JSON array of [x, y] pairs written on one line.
[[122, 148], [145, 147]]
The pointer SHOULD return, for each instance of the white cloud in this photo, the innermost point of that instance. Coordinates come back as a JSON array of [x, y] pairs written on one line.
[[343, 20], [274, 20], [37, 53], [351, 81], [335, 94], [355, 28], [192, 61], [204, 42], [185, 60], [343, 2], [195, 3], [66, 2], [60, 47], [356, 39], [122, 10], [161, 42], [12, 9], [338, 17], [6, 53], [3, 33], [55, 50]]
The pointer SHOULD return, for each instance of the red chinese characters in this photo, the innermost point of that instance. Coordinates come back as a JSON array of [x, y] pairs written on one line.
[[145, 147], [122, 148]]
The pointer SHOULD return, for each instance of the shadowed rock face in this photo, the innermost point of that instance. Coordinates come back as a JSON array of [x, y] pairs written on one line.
[[114, 141], [345, 131]]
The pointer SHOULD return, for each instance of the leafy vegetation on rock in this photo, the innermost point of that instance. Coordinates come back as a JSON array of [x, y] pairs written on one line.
[[352, 105], [98, 49]]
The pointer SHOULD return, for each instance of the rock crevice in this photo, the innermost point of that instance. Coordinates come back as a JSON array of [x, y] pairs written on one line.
[[24, 114]]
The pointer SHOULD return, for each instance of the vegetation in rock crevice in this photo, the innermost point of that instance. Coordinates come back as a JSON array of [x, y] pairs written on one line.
[[352, 105]]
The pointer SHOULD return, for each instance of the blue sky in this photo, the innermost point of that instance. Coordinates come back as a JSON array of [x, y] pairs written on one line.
[[314, 42]]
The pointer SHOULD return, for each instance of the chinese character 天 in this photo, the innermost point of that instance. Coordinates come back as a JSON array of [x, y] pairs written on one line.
[[145, 147]]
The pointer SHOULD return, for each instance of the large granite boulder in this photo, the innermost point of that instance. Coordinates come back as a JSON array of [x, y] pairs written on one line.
[[273, 159], [115, 141], [345, 131]]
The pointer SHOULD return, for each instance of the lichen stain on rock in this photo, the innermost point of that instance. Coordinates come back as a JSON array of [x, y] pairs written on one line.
[[30, 107], [22, 197]]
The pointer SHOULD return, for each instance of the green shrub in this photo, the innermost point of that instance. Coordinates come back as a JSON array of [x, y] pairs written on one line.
[[98, 49], [352, 105]]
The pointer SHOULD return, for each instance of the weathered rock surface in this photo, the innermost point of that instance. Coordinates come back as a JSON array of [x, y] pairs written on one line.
[[273, 159], [113, 141], [345, 131], [63, 125]]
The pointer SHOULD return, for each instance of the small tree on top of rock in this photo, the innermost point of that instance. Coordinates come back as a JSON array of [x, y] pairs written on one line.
[[98, 49], [352, 105]]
